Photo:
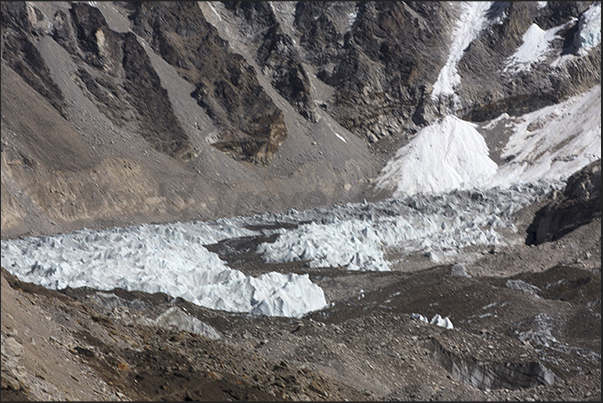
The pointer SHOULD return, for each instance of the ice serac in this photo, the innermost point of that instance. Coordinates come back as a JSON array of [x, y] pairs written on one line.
[[589, 33], [159, 258], [449, 154], [352, 244], [360, 236]]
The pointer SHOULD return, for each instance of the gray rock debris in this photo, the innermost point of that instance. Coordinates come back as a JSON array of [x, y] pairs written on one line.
[[174, 316], [523, 286], [458, 270], [12, 372]]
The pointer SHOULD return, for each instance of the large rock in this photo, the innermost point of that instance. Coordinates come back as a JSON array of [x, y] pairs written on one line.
[[579, 204]]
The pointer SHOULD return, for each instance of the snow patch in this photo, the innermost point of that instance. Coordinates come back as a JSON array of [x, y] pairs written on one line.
[[209, 3], [351, 19], [449, 154], [472, 21], [339, 136], [535, 47]]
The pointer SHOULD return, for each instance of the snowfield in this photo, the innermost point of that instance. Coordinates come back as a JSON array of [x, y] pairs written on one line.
[[554, 142], [449, 154]]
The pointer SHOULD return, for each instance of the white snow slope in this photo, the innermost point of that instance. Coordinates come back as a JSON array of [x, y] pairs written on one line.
[[535, 47], [471, 22], [449, 154], [551, 143]]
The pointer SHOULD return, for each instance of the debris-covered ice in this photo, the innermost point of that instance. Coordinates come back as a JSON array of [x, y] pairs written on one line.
[[358, 236]]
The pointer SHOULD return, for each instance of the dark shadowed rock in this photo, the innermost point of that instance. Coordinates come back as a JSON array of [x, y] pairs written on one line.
[[252, 127], [578, 204]]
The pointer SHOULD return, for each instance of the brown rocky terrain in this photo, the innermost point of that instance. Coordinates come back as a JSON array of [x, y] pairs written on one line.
[[122, 113], [527, 326]]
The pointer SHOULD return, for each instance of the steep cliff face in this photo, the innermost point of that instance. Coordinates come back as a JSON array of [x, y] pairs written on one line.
[[20, 54], [174, 110], [578, 204], [251, 126], [380, 64]]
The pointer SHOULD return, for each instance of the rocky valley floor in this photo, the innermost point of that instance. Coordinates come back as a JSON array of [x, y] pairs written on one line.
[[420, 168], [527, 326]]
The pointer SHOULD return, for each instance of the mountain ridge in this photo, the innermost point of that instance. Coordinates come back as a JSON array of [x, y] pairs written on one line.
[[285, 92]]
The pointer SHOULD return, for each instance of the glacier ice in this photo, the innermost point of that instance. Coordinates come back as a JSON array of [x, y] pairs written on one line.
[[160, 258], [589, 28]]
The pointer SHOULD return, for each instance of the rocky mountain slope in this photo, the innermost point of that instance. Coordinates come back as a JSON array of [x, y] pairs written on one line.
[[362, 200], [122, 113]]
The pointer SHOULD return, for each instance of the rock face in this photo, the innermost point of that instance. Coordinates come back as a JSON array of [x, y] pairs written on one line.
[[176, 110], [486, 91], [252, 127], [380, 64], [579, 204]]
